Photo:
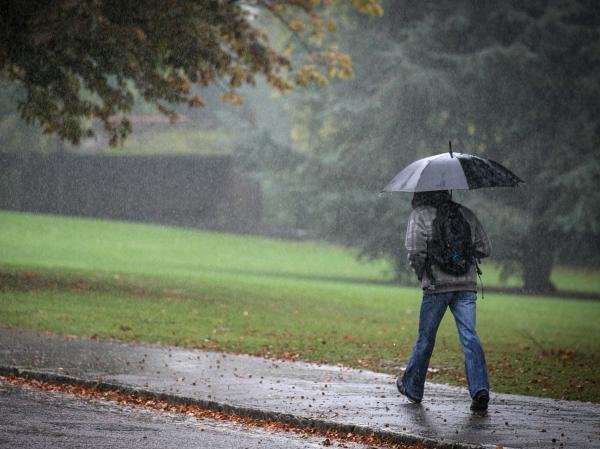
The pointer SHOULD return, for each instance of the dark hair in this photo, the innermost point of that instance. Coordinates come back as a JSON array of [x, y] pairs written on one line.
[[433, 198]]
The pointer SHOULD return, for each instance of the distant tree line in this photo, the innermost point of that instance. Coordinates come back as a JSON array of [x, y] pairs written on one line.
[[517, 82]]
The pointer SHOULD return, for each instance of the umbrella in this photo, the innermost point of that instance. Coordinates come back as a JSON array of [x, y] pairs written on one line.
[[452, 171]]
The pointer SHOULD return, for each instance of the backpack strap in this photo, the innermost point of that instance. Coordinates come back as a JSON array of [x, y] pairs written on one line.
[[428, 269], [477, 261]]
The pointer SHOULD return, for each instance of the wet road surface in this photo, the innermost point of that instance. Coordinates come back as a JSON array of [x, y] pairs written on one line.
[[32, 419]]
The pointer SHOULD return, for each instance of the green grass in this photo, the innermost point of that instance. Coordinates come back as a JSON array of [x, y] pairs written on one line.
[[576, 279], [583, 280], [177, 141], [258, 296], [111, 246]]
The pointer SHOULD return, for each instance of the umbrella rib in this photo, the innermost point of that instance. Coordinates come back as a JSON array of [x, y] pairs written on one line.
[[429, 161]]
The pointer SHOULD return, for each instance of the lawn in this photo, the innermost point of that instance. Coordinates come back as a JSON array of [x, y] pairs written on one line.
[[177, 141], [296, 300]]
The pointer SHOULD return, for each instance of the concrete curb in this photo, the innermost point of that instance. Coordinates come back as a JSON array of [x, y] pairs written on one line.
[[255, 413]]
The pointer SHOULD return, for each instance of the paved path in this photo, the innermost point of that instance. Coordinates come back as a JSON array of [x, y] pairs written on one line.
[[35, 419], [324, 394]]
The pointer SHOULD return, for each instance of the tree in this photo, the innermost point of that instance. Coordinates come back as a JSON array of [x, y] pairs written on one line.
[[515, 82], [81, 60], [531, 95]]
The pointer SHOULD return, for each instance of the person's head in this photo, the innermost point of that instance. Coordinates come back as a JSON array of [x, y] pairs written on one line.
[[434, 198]]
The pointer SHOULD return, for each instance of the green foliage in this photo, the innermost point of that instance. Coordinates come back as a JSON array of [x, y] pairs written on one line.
[[513, 82], [80, 61], [15, 135]]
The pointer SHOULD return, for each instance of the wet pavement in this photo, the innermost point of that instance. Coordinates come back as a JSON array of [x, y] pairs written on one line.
[[33, 419], [326, 395]]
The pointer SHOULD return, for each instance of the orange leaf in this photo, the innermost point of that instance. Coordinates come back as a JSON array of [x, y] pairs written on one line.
[[231, 98], [196, 102]]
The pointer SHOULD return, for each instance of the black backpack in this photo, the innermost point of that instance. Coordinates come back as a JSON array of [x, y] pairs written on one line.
[[451, 248]]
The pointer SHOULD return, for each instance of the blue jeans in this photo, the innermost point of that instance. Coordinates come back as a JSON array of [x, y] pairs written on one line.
[[433, 307]]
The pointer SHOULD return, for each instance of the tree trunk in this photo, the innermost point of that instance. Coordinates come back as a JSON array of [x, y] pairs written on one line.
[[538, 250], [536, 276]]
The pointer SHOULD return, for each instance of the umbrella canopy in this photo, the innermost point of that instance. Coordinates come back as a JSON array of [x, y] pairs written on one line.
[[452, 171]]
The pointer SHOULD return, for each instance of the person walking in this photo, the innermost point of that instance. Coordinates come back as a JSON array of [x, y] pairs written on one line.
[[444, 241]]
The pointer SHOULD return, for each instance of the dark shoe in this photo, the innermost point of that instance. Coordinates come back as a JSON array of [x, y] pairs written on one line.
[[402, 391], [480, 402]]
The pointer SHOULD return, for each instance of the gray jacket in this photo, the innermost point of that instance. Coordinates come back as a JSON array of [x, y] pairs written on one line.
[[419, 233]]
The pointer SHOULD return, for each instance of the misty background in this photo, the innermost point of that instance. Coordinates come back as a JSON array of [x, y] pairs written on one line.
[[516, 82]]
